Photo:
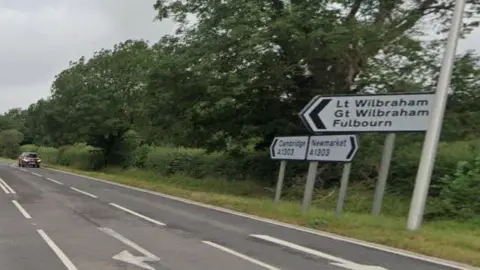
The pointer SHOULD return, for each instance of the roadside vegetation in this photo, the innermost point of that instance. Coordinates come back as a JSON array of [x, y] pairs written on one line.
[[193, 114]]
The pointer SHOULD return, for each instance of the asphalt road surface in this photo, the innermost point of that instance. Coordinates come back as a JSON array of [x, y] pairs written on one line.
[[53, 220]]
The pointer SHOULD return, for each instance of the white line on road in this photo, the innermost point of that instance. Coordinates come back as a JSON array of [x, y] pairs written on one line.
[[21, 209], [83, 192], [10, 189], [24, 170], [128, 242], [245, 257], [36, 174], [137, 214], [65, 260], [54, 181], [340, 262], [4, 188]]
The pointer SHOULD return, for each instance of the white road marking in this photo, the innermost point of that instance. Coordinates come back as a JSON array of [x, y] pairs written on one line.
[[36, 174], [129, 243], [21, 209], [54, 181], [65, 260], [84, 192], [140, 261], [4, 188], [340, 262], [245, 257], [137, 214], [9, 189], [333, 236]]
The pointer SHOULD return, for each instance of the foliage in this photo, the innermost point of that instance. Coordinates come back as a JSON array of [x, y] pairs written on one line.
[[459, 192], [10, 140]]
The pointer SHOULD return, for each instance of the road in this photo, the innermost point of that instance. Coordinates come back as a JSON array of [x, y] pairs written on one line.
[[55, 220]]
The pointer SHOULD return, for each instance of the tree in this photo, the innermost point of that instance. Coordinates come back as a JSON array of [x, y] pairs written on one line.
[[10, 143], [256, 64], [97, 101]]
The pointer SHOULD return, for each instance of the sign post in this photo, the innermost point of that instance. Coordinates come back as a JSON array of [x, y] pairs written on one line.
[[332, 148], [383, 173], [399, 112], [342, 193], [430, 145], [287, 148]]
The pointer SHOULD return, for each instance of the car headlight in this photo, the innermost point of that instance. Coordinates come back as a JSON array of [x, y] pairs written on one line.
[[39, 160]]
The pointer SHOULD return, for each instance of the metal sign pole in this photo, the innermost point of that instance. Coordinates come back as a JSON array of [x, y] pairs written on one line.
[[342, 194], [383, 173], [281, 176], [432, 137]]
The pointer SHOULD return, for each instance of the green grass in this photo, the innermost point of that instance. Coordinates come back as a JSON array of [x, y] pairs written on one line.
[[448, 240]]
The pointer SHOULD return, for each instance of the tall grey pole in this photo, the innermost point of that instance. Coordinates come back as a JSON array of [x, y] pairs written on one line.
[[432, 136], [309, 186], [342, 194], [281, 176], [383, 173]]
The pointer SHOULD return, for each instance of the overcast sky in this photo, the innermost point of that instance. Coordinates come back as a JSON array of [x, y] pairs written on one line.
[[39, 37]]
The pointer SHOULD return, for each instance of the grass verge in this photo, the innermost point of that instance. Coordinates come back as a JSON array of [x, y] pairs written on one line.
[[449, 240]]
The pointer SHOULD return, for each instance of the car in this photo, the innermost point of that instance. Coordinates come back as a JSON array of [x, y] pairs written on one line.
[[29, 159]]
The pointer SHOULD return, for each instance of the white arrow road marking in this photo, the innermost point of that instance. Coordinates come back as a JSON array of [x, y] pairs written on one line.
[[139, 261], [126, 256], [6, 187], [337, 261]]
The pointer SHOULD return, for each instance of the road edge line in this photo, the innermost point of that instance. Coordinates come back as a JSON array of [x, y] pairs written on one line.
[[333, 236]]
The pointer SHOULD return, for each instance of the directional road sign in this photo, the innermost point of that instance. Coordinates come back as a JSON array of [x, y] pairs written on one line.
[[289, 148], [368, 113], [334, 148]]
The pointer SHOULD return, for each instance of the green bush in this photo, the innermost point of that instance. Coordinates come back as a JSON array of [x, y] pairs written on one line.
[[407, 157], [81, 156], [459, 194], [48, 154], [29, 148], [10, 143]]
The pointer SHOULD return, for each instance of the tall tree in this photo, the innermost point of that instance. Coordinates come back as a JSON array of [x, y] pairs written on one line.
[[257, 63], [97, 101]]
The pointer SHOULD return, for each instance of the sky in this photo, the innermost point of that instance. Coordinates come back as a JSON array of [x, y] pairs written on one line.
[[38, 38]]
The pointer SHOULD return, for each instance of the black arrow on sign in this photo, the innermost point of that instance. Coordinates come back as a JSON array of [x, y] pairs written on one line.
[[354, 148], [272, 148], [314, 113]]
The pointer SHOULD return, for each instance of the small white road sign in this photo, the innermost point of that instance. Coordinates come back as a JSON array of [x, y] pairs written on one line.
[[335, 148], [289, 148]]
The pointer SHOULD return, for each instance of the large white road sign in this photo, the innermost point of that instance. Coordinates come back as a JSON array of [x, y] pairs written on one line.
[[368, 113]]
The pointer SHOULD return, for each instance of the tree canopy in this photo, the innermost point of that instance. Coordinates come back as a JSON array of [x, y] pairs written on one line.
[[236, 73]]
